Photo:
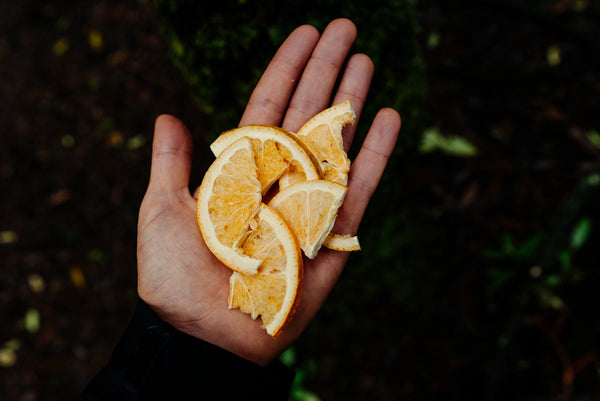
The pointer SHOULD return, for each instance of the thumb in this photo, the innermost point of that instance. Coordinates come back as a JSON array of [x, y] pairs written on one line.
[[171, 155]]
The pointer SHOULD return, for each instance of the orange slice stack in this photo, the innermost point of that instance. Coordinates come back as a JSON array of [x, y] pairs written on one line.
[[262, 240]]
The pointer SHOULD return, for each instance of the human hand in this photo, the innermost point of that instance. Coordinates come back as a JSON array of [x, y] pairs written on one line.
[[177, 275]]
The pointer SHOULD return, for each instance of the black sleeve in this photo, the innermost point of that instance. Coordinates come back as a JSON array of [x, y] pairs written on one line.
[[154, 361]]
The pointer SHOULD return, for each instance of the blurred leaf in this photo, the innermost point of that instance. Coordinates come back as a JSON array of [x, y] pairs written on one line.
[[302, 394], [509, 250], [95, 40], [288, 357], [433, 40], [564, 258], [580, 5], [433, 140], [8, 237], [593, 179], [177, 46], [136, 142], [530, 247], [115, 138], [553, 56], [8, 352], [36, 283], [553, 280], [77, 277], [67, 141], [32, 320], [60, 47], [13, 343], [59, 197], [498, 278], [594, 137], [98, 256], [549, 299], [8, 358], [581, 233]]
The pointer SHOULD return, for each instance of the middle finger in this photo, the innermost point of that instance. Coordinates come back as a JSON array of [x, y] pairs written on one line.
[[318, 79]]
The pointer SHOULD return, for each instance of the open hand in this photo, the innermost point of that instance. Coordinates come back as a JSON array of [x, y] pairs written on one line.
[[177, 275]]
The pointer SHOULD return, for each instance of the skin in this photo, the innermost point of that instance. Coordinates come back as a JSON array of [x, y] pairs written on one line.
[[177, 275]]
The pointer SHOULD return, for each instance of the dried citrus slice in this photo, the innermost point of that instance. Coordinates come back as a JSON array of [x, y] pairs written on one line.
[[228, 199], [310, 209], [342, 242], [274, 149], [273, 292], [322, 134]]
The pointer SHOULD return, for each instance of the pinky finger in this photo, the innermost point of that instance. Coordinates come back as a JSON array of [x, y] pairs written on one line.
[[367, 169]]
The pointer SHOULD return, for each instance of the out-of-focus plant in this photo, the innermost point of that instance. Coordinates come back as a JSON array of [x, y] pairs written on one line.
[[520, 261], [223, 47], [299, 392], [433, 140]]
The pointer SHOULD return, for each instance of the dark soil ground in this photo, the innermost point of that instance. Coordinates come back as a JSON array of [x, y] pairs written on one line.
[[81, 85]]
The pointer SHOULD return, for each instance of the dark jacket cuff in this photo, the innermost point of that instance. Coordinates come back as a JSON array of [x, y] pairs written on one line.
[[155, 361]]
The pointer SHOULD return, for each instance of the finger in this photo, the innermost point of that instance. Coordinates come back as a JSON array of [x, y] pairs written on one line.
[[272, 94], [318, 79], [367, 169], [171, 155], [354, 87]]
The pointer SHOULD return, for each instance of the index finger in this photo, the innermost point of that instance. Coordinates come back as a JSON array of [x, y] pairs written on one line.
[[270, 98]]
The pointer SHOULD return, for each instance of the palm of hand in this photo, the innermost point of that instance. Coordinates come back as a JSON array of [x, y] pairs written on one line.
[[177, 274]]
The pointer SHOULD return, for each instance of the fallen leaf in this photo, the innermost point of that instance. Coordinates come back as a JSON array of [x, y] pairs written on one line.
[[433, 140], [8, 237], [8, 358], [60, 47], [67, 141], [553, 56], [59, 197], [136, 142], [32, 320], [77, 277], [36, 283], [115, 138], [95, 40]]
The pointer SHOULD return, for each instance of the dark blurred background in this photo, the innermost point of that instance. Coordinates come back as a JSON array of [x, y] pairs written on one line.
[[479, 274]]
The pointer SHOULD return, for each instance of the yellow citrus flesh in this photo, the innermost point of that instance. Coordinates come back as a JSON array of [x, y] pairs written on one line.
[[273, 292], [275, 150], [342, 242], [228, 199], [322, 134], [293, 175], [310, 209]]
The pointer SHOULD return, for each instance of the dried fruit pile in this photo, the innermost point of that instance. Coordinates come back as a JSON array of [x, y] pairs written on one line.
[[269, 196]]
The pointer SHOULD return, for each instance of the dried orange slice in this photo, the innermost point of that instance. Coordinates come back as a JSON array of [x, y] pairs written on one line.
[[228, 199], [275, 150], [273, 292], [310, 209], [342, 242], [322, 134]]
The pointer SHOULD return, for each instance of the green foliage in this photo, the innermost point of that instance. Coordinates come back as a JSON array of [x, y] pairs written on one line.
[[434, 140], [513, 262], [298, 392], [580, 233], [223, 47]]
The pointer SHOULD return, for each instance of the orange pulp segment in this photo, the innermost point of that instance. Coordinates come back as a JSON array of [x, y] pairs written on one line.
[[275, 150], [273, 292], [322, 134], [228, 199], [310, 209]]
